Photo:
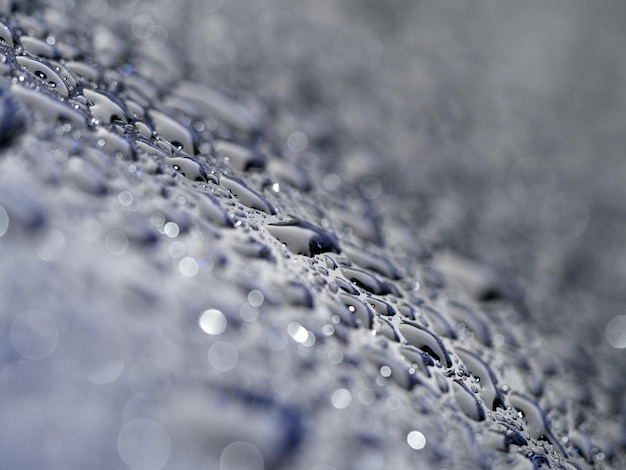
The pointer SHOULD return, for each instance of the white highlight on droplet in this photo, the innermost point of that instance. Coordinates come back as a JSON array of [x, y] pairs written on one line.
[[34, 334], [341, 398], [416, 440], [213, 322], [144, 445], [616, 332], [298, 332]]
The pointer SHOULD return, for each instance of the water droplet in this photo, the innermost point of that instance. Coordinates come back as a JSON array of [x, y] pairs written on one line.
[[255, 298], [331, 182], [52, 247], [4, 221], [188, 267], [297, 141], [246, 195], [240, 157], [149, 379], [423, 339], [223, 356], [303, 238], [179, 135], [241, 456], [489, 391], [531, 181], [116, 242], [416, 440], [45, 73], [225, 109], [48, 106], [144, 445], [467, 401], [106, 107], [213, 322], [341, 398], [34, 334], [616, 332]]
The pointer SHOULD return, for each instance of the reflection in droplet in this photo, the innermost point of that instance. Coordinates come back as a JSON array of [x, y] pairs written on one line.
[[116, 242], [213, 322], [188, 267], [616, 332], [341, 398], [52, 246], [144, 445], [34, 334], [241, 456], [223, 356], [416, 440]]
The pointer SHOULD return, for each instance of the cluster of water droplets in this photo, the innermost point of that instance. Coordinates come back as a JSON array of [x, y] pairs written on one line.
[[296, 325]]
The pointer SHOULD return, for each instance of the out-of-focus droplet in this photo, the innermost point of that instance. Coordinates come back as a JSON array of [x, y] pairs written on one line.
[[223, 356], [341, 398], [213, 322], [297, 141], [34, 334], [616, 332], [531, 181], [416, 440], [144, 445], [241, 456]]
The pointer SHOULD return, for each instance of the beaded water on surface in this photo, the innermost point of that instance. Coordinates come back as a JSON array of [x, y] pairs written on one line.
[[179, 292]]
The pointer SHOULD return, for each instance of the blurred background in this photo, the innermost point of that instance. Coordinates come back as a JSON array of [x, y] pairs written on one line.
[[497, 127]]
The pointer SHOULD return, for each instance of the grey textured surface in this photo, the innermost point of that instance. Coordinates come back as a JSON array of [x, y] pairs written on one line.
[[312, 235]]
